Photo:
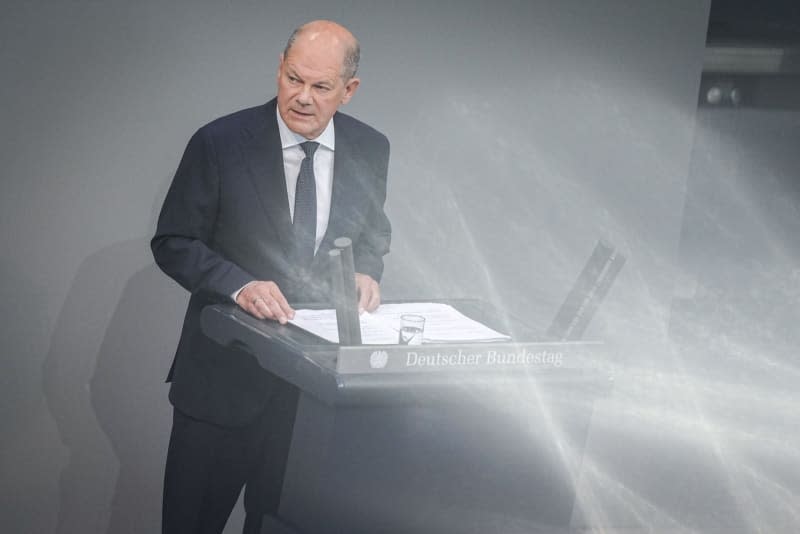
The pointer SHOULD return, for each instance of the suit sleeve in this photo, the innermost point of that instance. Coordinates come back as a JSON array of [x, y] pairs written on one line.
[[373, 244], [182, 245]]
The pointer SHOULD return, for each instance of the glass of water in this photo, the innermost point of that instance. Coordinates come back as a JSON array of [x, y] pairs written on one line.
[[412, 327]]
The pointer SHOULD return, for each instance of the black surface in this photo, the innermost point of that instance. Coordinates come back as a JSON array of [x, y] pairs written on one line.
[[775, 22], [418, 453]]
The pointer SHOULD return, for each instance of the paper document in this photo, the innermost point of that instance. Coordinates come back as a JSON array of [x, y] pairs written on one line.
[[323, 324], [443, 324]]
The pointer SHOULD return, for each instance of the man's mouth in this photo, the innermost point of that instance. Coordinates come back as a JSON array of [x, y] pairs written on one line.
[[302, 114]]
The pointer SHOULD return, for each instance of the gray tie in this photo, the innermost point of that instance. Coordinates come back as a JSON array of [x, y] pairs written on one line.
[[305, 208]]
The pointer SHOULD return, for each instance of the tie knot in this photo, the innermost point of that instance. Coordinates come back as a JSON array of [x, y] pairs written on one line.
[[309, 147]]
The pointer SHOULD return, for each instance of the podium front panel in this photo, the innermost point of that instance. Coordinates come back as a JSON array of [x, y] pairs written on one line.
[[456, 445]]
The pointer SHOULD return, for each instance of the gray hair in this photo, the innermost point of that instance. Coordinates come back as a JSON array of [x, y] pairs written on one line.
[[352, 54]]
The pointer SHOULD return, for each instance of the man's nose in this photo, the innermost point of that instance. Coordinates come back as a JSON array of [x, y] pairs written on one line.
[[304, 97]]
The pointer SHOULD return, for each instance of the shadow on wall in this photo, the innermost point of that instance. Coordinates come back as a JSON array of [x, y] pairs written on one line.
[[103, 382]]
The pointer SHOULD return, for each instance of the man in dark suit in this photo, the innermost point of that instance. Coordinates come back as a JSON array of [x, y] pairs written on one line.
[[251, 214]]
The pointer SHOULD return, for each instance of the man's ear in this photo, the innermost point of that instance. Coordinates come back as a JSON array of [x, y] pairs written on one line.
[[280, 66], [350, 89]]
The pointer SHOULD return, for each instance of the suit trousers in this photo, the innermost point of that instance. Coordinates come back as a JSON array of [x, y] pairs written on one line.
[[207, 466]]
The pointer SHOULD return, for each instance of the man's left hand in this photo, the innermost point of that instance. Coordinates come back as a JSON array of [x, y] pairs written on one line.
[[369, 294]]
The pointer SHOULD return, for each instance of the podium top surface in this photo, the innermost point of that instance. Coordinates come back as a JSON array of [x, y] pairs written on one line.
[[338, 374]]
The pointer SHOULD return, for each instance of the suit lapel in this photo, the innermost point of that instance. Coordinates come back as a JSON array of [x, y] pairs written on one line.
[[265, 165], [344, 195]]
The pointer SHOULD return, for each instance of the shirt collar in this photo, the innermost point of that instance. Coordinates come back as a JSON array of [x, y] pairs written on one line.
[[288, 138]]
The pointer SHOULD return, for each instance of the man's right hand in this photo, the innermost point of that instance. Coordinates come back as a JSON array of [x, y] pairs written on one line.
[[265, 301]]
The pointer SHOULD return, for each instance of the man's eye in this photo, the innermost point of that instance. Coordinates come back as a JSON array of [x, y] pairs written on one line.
[[293, 79], [323, 88]]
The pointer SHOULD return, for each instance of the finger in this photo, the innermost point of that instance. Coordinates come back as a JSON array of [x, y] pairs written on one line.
[[275, 311], [375, 298], [270, 307], [371, 297], [364, 295], [256, 307], [281, 302], [245, 302]]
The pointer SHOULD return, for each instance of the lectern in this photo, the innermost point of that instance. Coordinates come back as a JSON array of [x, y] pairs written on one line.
[[440, 438]]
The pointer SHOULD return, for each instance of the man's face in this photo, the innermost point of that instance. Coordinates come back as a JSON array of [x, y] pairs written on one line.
[[310, 85]]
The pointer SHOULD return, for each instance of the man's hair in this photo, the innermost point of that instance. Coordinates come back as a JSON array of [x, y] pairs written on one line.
[[351, 55]]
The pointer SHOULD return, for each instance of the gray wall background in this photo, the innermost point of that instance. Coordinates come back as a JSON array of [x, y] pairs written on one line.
[[521, 133]]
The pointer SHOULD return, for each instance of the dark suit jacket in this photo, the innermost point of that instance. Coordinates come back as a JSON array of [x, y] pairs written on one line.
[[226, 221]]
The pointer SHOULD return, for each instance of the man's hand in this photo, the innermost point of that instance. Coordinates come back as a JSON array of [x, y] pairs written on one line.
[[369, 294], [265, 301]]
